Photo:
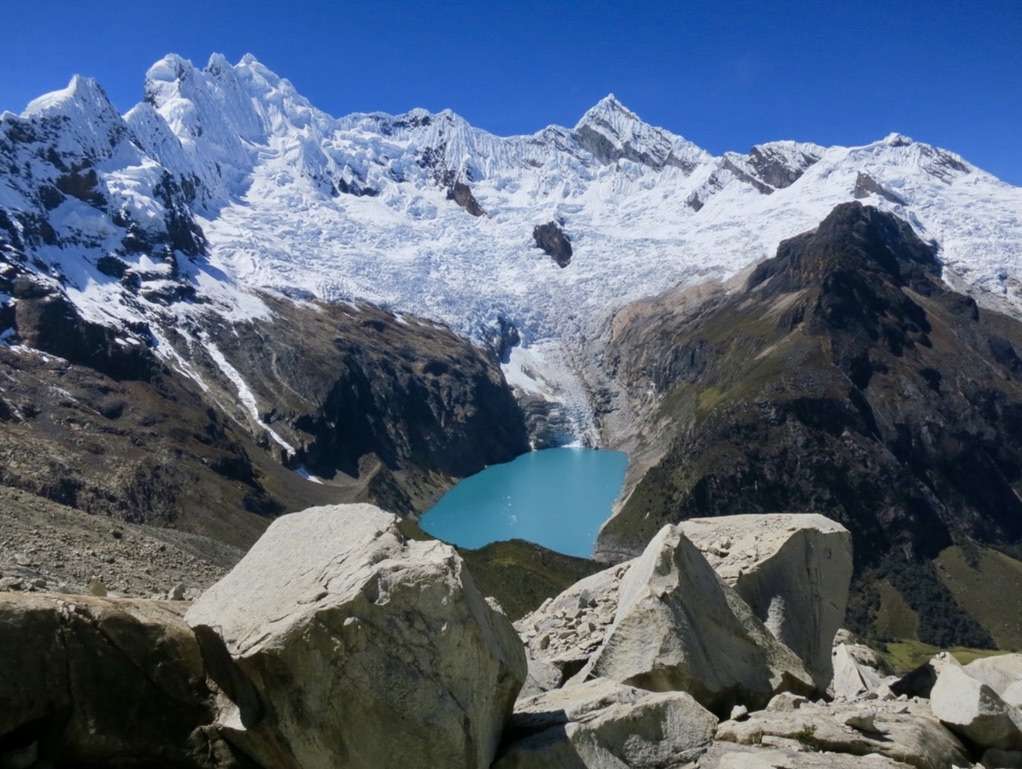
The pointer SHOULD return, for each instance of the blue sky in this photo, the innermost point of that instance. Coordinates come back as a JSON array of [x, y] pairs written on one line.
[[723, 74]]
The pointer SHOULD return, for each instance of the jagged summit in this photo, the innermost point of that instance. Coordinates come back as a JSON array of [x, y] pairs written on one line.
[[79, 90], [608, 105], [612, 132]]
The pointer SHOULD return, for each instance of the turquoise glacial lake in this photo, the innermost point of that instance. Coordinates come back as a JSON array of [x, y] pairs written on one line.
[[557, 498]]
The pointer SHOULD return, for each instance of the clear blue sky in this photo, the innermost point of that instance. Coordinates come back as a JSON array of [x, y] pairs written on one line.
[[723, 74]]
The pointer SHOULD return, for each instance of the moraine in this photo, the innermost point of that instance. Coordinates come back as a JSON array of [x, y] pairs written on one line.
[[557, 498]]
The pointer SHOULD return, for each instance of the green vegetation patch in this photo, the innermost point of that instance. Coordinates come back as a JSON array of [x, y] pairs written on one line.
[[987, 584], [906, 655]]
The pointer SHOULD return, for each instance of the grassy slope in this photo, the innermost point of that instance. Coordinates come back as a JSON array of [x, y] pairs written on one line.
[[989, 589], [519, 574], [904, 656], [987, 584]]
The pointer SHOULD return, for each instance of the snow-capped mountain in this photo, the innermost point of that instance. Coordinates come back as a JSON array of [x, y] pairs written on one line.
[[225, 180]]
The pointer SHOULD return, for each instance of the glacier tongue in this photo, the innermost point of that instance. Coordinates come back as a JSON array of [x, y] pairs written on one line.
[[227, 179]]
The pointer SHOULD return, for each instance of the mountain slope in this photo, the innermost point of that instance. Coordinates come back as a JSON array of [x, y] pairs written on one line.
[[841, 377], [230, 161]]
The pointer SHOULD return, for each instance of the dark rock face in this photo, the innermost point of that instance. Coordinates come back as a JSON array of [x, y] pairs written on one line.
[[412, 395], [461, 194], [50, 323], [551, 238], [848, 380], [866, 185], [605, 151], [776, 170], [502, 338], [548, 423], [73, 692], [391, 411]]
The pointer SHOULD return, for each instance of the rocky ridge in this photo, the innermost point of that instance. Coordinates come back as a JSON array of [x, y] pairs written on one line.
[[843, 376]]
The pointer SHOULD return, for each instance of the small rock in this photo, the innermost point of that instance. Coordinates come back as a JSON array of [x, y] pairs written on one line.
[[739, 713], [176, 593], [786, 702], [96, 588], [863, 721]]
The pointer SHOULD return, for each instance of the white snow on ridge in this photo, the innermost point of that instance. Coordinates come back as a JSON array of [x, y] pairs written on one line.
[[246, 397], [293, 200], [622, 197]]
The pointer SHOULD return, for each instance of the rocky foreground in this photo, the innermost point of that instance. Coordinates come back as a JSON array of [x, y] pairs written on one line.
[[338, 642]]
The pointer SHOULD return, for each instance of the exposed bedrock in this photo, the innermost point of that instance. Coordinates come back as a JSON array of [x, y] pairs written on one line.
[[551, 238]]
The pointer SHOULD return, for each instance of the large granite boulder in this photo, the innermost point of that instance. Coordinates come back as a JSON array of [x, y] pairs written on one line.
[[88, 681], [1000, 672], [338, 643], [1013, 694], [975, 710], [793, 570], [903, 732], [678, 627], [606, 725]]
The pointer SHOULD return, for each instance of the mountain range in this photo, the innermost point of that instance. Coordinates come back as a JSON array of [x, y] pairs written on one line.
[[226, 303]]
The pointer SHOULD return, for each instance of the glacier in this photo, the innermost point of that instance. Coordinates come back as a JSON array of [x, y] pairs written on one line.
[[228, 180]]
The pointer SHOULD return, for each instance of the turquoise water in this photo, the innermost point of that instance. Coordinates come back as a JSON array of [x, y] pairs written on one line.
[[556, 498]]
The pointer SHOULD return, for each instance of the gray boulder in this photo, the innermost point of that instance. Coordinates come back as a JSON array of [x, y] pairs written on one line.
[[338, 643], [93, 681], [902, 732], [999, 672], [606, 725], [856, 671], [974, 710], [678, 627], [565, 631], [782, 754], [792, 569], [1013, 694]]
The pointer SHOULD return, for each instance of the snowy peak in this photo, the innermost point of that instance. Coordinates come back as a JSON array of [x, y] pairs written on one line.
[[79, 117], [83, 97], [612, 132], [609, 109]]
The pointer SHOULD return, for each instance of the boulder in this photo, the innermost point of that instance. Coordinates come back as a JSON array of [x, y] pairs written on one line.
[[974, 710], [1013, 694], [551, 238], [338, 643], [783, 755], [785, 702], [90, 681], [999, 672], [853, 676], [678, 627], [903, 732], [562, 634], [606, 725], [793, 571], [919, 681]]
